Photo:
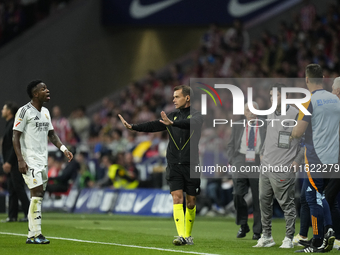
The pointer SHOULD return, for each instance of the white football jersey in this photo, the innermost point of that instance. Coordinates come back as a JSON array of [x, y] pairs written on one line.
[[34, 126]]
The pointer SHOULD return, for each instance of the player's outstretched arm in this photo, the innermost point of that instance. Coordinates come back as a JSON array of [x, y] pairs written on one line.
[[56, 141], [151, 126], [16, 145], [127, 125]]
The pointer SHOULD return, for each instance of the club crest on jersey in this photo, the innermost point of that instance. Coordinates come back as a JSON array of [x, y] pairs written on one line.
[[35, 181]]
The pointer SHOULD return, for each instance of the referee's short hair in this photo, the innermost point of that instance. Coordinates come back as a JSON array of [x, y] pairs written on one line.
[[12, 106], [314, 73], [186, 91]]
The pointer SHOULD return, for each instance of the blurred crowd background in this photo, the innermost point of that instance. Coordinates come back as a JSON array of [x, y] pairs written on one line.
[[108, 155]]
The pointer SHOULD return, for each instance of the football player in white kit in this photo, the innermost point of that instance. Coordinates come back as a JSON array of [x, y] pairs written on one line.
[[31, 130]]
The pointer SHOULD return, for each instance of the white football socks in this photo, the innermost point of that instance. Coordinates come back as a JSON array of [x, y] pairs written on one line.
[[34, 217]]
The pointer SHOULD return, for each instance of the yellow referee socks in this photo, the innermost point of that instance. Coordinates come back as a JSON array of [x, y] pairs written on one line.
[[190, 215], [179, 218]]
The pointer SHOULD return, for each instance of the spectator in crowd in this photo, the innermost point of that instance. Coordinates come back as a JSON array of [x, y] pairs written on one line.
[[236, 38], [118, 142], [61, 125], [66, 176], [96, 125], [80, 124]]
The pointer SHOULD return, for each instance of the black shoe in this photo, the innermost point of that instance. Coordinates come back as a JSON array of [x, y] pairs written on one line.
[[23, 219], [256, 236], [328, 240], [306, 243], [244, 229], [312, 249], [9, 220]]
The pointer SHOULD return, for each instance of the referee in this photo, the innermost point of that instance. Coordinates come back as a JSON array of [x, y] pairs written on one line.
[[184, 128]]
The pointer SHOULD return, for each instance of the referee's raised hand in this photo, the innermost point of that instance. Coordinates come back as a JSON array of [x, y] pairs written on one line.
[[127, 125], [166, 120]]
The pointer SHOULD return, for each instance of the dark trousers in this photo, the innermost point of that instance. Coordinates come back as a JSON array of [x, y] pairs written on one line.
[[242, 182], [331, 192], [304, 211], [241, 186], [16, 190], [319, 208]]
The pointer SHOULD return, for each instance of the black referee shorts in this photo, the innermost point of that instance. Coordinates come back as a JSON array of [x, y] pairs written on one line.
[[178, 177]]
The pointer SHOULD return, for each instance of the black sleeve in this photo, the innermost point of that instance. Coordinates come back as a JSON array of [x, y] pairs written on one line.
[[195, 120], [152, 126], [12, 158]]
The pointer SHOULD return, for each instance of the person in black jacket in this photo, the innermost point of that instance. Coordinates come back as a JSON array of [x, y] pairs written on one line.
[[184, 128], [16, 184]]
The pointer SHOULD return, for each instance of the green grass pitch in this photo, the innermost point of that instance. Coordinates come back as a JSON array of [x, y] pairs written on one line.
[[107, 234]]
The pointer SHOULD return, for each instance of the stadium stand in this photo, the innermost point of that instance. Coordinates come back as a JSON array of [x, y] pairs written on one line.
[[16, 16], [311, 37]]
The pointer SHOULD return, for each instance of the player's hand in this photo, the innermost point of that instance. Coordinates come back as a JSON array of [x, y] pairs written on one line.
[[7, 167], [165, 120], [69, 155], [22, 166], [127, 125], [295, 166]]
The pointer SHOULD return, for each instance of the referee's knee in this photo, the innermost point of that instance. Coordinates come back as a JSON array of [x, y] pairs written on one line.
[[177, 197]]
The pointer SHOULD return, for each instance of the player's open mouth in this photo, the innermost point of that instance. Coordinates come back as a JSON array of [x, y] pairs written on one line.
[[48, 97]]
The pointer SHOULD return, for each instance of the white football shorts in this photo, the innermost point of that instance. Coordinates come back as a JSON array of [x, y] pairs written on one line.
[[36, 176]]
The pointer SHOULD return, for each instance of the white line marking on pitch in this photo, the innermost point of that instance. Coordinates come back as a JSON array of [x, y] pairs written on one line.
[[115, 244]]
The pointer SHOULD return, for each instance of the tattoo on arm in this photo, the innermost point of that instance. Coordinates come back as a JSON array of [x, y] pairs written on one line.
[[54, 138]]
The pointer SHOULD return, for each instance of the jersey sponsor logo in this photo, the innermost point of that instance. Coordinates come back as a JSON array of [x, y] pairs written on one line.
[[42, 126], [139, 11], [16, 124]]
